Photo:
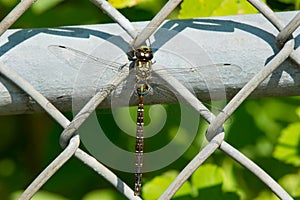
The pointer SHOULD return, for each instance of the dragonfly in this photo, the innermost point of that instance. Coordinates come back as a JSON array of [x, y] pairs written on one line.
[[143, 65], [145, 82]]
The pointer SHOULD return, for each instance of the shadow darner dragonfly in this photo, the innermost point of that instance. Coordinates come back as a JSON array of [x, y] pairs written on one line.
[[144, 79], [142, 67]]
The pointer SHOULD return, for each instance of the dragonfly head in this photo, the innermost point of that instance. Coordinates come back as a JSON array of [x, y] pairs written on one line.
[[144, 53]]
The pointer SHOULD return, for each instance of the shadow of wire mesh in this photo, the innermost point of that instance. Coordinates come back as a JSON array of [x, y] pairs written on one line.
[[70, 141]]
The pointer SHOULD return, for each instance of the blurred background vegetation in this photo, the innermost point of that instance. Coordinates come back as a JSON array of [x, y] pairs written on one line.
[[266, 130]]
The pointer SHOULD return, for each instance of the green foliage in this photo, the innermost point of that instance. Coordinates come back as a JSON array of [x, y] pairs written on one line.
[[266, 195], [42, 6], [128, 3], [104, 194], [203, 8], [155, 187], [206, 176], [284, 5], [295, 2], [289, 1], [291, 182], [266, 130], [9, 3], [288, 148], [209, 181], [206, 182], [39, 195], [122, 4]]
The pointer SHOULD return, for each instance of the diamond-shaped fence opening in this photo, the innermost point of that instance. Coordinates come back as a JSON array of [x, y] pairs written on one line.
[[220, 58]]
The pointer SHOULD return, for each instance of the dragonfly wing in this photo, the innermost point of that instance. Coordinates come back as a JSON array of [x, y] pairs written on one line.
[[76, 59], [203, 78], [90, 69]]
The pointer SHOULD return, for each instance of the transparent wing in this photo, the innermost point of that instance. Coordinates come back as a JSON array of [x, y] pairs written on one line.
[[193, 78], [76, 59], [186, 75], [205, 81], [207, 77], [92, 73]]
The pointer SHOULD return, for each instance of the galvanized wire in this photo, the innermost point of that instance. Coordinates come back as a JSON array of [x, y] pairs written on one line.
[[255, 169], [71, 146], [281, 56], [272, 17], [50, 170], [116, 16], [215, 134], [199, 159], [90, 107], [287, 31], [155, 23], [17, 12]]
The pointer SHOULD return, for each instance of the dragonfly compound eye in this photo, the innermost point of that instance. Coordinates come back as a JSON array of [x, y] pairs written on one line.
[[144, 53]]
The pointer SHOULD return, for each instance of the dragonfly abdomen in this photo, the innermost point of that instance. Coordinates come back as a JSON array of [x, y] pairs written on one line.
[[139, 147]]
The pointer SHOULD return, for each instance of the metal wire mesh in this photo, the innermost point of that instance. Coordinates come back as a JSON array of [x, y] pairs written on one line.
[[70, 139]]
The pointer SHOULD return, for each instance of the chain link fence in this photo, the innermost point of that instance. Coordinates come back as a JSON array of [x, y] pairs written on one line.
[[70, 140]]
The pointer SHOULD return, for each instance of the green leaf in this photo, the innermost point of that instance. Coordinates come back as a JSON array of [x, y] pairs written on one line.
[[266, 194], [290, 1], [119, 4], [9, 3], [123, 4], [288, 147], [207, 183], [204, 8], [298, 112], [291, 182], [206, 176], [43, 5], [39, 195], [154, 188], [103, 194]]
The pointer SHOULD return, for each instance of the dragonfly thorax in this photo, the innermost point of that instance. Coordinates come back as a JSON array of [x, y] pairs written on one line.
[[142, 88]]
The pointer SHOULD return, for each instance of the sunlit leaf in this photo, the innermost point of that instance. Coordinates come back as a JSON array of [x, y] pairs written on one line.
[[203, 8], [298, 112], [43, 5], [288, 148], [154, 188], [269, 113], [39, 195], [103, 194], [125, 3], [266, 194], [207, 183], [207, 175], [291, 182]]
